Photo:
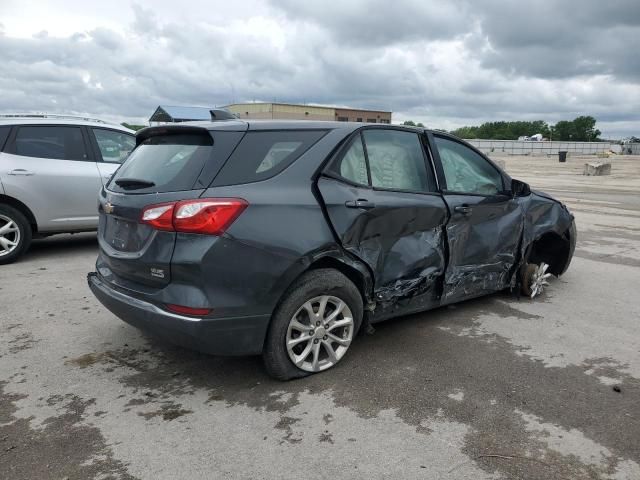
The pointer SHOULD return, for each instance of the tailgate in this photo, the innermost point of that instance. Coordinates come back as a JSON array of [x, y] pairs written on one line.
[[165, 167], [132, 250]]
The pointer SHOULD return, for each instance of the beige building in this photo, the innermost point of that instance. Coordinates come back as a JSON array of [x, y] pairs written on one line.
[[288, 111]]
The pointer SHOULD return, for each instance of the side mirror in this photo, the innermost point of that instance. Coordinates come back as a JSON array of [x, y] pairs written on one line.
[[520, 189]]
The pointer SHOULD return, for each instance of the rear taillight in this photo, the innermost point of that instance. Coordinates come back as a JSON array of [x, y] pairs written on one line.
[[210, 216], [159, 216]]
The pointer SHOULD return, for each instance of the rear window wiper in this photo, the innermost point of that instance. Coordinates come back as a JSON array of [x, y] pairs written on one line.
[[134, 183]]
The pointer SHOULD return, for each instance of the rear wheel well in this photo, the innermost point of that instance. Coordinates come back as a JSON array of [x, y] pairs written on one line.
[[351, 273], [22, 208], [356, 277], [551, 249]]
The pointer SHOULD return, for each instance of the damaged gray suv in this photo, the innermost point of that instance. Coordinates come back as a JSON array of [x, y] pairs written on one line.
[[285, 238]]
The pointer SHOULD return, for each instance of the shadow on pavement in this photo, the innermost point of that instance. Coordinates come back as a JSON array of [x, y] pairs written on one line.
[[64, 245]]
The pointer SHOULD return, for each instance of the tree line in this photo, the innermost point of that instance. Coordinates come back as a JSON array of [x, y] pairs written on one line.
[[580, 129]]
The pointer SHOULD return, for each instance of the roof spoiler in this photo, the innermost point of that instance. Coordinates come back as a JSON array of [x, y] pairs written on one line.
[[221, 114], [175, 129]]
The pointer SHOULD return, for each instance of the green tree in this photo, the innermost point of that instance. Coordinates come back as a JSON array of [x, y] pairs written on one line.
[[580, 129], [504, 130], [585, 129], [563, 130], [411, 123], [466, 132]]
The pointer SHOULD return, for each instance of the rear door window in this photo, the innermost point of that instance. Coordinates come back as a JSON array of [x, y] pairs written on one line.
[[396, 160], [261, 155], [386, 159], [170, 162], [114, 146], [353, 165], [59, 143]]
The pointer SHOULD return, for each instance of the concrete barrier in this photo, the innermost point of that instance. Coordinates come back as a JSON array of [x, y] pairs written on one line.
[[597, 168]]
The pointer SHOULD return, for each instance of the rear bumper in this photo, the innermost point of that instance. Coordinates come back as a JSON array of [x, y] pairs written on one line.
[[217, 336]]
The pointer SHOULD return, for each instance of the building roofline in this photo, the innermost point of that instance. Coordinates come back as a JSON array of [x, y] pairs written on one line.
[[185, 106], [328, 107]]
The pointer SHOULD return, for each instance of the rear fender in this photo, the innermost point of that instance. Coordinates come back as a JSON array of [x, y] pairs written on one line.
[[331, 256]]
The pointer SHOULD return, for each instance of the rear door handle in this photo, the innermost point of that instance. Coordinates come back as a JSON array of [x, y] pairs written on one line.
[[360, 203], [463, 209], [21, 171]]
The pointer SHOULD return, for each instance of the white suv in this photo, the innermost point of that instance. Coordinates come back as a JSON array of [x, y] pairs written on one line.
[[51, 170]]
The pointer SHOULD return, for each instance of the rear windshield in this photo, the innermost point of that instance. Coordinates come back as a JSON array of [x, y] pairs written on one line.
[[261, 155], [171, 162]]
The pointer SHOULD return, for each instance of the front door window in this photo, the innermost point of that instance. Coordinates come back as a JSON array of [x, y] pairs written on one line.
[[466, 171]]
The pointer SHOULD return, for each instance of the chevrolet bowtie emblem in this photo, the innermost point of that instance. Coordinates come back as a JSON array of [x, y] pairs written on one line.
[[108, 208]]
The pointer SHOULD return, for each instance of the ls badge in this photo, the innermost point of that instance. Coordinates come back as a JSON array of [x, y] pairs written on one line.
[[157, 272]]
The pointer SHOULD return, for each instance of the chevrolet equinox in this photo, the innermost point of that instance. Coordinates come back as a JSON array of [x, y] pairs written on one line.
[[284, 238]]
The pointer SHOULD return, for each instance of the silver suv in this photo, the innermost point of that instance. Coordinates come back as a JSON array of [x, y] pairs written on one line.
[[51, 170]]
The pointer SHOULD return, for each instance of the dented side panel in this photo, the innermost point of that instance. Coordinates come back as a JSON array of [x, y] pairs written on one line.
[[487, 248], [542, 215], [483, 245], [401, 239], [422, 253]]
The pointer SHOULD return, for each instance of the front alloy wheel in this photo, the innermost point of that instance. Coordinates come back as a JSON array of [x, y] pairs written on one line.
[[319, 333]]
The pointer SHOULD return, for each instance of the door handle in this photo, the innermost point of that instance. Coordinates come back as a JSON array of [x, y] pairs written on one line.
[[463, 209], [359, 203], [21, 171]]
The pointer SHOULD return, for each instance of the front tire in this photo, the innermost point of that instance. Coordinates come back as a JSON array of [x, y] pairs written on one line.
[[15, 234], [314, 325]]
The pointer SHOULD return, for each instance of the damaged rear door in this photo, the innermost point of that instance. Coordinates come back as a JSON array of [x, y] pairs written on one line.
[[382, 201], [485, 228]]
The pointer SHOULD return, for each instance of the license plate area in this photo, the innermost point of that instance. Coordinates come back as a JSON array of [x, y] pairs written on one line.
[[124, 235]]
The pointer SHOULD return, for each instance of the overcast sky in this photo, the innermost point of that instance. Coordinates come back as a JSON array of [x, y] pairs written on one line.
[[445, 63]]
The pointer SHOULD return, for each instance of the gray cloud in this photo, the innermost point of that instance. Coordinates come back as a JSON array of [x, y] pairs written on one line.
[[382, 22], [559, 39], [445, 63]]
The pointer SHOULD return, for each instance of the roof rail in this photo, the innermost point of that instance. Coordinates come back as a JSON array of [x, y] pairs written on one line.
[[54, 116]]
